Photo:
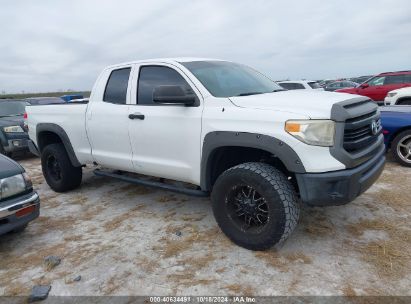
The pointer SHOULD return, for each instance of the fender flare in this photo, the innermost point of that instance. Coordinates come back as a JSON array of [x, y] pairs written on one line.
[[219, 139], [59, 131]]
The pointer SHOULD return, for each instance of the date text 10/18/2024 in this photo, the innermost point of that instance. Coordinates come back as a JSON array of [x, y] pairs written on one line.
[[234, 299]]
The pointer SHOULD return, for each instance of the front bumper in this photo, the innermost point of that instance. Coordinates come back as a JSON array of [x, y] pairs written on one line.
[[16, 142], [18, 211], [340, 187]]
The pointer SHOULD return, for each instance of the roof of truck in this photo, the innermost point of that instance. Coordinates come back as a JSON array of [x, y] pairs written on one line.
[[167, 60]]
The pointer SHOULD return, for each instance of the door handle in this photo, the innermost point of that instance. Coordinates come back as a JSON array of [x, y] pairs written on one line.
[[136, 116]]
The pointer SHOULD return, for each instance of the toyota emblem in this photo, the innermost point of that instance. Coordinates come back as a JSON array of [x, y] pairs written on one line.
[[374, 127]]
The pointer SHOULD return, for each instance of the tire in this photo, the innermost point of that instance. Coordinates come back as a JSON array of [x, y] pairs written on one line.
[[272, 197], [58, 171], [400, 146]]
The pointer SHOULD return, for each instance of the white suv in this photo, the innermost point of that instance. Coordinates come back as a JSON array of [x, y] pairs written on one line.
[[300, 85], [398, 97]]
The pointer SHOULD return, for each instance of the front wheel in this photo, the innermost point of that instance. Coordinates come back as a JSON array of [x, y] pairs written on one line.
[[58, 171], [401, 148], [255, 205]]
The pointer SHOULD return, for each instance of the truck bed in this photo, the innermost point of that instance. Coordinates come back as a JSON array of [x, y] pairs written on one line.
[[70, 118]]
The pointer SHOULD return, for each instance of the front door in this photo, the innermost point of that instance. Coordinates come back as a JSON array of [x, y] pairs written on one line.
[[375, 88], [165, 138]]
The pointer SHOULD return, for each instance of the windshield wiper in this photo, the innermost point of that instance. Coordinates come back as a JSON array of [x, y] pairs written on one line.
[[279, 90], [249, 93]]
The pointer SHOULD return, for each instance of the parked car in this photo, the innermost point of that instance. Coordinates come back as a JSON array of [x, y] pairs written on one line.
[[19, 203], [396, 122], [340, 85], [68, 98], [398, 97], [13, 129], [378, 86], [300, 85], [324, 83], [13, 133], [225, 129]]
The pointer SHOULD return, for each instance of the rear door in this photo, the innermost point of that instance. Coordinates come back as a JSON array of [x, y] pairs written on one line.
[[393, 82], [165, 138], [107, 120]]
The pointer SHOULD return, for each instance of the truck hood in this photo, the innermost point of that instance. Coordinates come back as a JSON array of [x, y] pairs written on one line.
[[311, 103]]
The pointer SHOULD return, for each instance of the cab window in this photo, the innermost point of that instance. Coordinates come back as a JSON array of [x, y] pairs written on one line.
[[153, 76], [394, 79], [377, 81]]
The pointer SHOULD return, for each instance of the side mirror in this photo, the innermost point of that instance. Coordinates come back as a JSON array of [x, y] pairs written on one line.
[[173, 94], [364, 85]]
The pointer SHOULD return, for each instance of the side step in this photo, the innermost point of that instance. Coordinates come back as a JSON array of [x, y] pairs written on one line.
[[138, 181]]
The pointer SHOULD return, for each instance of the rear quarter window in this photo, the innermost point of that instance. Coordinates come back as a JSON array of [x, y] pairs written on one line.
[[116, 88], [394, 79], [292, 85], [288, 86], [314, 85]]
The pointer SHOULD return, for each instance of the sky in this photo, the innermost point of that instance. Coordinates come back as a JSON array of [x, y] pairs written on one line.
[[49, 45]]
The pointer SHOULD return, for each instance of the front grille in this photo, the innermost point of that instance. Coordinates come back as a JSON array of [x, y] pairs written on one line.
[[358, 132]]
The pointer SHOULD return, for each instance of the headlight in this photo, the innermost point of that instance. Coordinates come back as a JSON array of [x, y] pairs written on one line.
[[13, 129], [10, 186], [312, 132], [391, 94]]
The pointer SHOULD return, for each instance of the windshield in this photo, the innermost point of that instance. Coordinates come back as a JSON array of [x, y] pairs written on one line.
[[226, 79], [12, 108]]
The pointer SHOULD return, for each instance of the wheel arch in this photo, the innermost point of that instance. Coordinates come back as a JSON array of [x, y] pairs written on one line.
[[49, 133], [398, 131], [225, 149]]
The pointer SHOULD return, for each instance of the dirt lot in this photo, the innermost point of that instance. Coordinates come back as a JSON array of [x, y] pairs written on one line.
[[129, 240]]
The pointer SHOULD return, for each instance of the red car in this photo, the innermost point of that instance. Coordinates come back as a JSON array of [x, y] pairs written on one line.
[[378, 86]]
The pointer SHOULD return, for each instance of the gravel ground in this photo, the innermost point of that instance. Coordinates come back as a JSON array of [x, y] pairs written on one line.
[[125, 239]]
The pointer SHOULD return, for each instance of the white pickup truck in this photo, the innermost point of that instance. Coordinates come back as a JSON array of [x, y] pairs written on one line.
[[224, 128]]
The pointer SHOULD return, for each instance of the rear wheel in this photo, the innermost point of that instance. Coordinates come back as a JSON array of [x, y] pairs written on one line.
[[255, 205], [58, 171], [401, 148]]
